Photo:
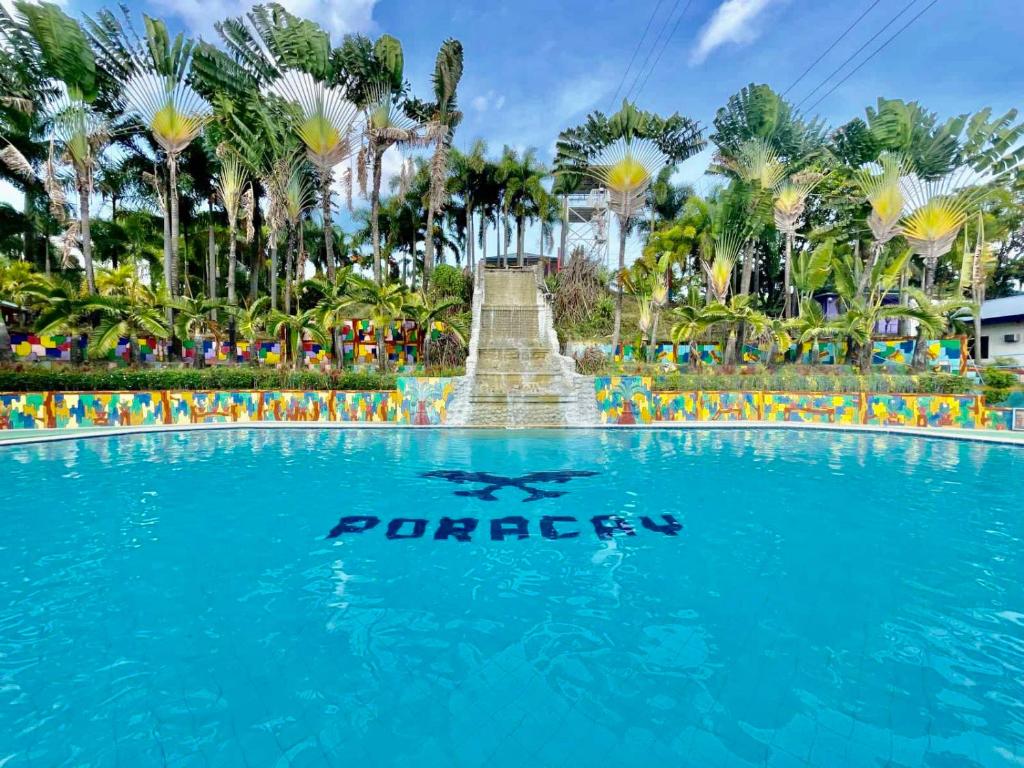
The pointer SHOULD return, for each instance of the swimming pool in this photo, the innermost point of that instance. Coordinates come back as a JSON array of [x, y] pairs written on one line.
[[227, 598]]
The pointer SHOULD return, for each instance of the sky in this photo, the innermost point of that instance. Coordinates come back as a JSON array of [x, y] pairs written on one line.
[[535, 67]]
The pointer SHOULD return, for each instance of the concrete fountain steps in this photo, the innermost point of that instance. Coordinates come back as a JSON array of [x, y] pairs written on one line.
[[516, 376]]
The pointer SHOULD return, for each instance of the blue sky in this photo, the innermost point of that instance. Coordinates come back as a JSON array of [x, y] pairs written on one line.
[[534, 67]]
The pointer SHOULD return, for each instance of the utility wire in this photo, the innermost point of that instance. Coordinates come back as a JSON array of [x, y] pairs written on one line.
[[650, 51], [636, 50], [835, 42], [661, 53], [856, 53], [873, 54]]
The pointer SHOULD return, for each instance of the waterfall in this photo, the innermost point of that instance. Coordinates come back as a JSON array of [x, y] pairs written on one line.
[[515, 375]]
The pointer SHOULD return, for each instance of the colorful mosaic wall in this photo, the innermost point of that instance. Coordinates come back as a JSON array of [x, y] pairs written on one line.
[[630, 400], [423, 401], [417, 401], [29, 347], [949, 355]]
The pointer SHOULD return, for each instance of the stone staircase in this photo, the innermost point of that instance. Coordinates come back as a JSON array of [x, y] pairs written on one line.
[[515, 376]]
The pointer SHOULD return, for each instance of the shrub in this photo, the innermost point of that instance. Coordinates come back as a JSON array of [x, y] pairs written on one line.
[[943, 383], [451, 283], [134, 379], [591, 362]]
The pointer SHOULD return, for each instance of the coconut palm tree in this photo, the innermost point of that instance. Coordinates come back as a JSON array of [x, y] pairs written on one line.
[[77, 131], [440, 118], [469, 180], [524, 196]]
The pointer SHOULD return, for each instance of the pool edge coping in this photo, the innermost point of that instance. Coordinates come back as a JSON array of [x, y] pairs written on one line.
[[979, 436]]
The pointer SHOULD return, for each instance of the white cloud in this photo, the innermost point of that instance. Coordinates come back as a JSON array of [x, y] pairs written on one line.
[[488, 101], [579, 95], [734, 21], [339, 17]]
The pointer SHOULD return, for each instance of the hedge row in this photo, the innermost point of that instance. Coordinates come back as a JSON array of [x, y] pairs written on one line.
[[241, 377], [785, 381]]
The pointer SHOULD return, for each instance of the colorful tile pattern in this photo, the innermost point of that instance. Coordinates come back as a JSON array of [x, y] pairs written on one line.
[[624, 399], [29, 347], [728, 406], [423, 401], [675, 406], [71, 410], [839, 408], [24, 411]]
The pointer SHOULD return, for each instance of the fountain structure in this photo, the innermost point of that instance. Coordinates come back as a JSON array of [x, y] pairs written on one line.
[[515, 374]]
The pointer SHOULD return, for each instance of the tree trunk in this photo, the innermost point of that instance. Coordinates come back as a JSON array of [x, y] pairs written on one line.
[[232, 264], [325, 192], [787, 299], [376, 153], [470, 241], [563, 257], [232, 299], [83, 212], [289, 264], [382, 351], [730, 348], [300, 265], [748, 268], [167, 250], [6, 353], [428, 248], [257, 249], [172, 198], [273, 270], [211, 255], [977, 336], [483, 240], [520, 250], [198, 359], [113, 220], [866, 352], [617, 327], [653, 350]]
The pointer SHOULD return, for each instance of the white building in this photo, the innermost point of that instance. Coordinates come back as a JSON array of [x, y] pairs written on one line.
[[1002, 329]]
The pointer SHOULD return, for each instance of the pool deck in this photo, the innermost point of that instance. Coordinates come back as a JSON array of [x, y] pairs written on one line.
[[26, 436]]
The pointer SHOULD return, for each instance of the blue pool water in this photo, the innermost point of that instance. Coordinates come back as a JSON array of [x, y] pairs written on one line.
[[832, 600]]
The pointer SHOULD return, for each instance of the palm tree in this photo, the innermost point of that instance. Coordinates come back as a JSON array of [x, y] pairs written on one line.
[[524, 194], [194, 318], [383, 303], [294, 327], [440, 118], [17, 282], [689, 325], [251, 321], [470, 180], [790, 199], [324, 124], [738, 312], [232, 190], [386, 125], [424, 311], [626, 169], [333, 308], [975, 270], [121, 317], [79, 132], [879, 186], [159, 95]]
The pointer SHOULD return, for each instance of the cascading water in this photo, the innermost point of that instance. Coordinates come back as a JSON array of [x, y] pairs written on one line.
[[515, 376]]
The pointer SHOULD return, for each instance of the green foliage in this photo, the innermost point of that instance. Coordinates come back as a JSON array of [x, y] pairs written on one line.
[[998, 385], [798, 379], [65, 49], [216, 378], [450, 282]]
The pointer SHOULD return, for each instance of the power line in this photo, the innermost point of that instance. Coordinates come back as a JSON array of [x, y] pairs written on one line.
[[650, 50], [835, 42], [636, 50], [856, 53], [661, 53], [873, 53]]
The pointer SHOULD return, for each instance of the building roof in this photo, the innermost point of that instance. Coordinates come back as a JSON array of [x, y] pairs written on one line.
[[1003, 310]]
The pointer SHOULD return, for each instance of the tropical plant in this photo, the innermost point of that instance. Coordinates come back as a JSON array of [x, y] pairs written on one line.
[[440, 118], [333, 307], [194, 318], [383, 304], [294, 328], [121, 317], [975, 271]]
